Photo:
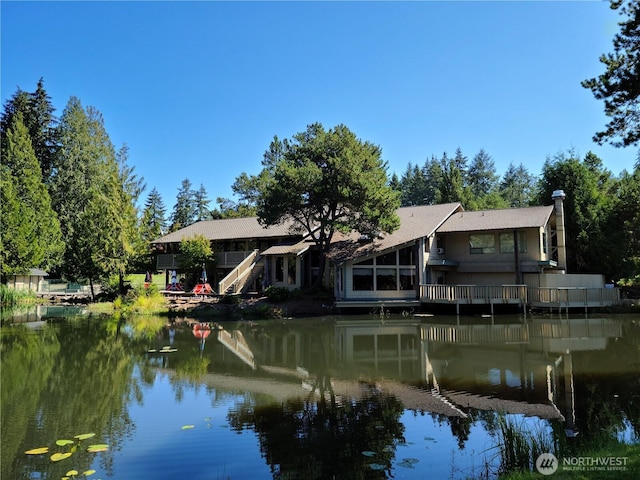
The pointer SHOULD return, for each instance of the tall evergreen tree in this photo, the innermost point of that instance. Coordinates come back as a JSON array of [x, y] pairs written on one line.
[[83, 188], [432, 170], [518, 186], [184, 210], [153, 222], [619, 85], [122, 241], [202, 204], [37, 115], [452, 186], [482, 176], [414, 186], [30, 236]]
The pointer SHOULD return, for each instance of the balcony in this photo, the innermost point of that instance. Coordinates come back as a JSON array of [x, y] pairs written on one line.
[[171, 261]]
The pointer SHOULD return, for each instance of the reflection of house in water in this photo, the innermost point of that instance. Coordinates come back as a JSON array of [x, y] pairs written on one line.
[[520, 368], [513, 368]]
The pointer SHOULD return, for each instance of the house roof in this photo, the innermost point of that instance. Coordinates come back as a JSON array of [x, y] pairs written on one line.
[[529, 217], [228, 229], [415, 222]]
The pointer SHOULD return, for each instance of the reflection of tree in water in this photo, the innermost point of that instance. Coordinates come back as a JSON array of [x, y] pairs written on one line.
[[607, 387], [322, 439]]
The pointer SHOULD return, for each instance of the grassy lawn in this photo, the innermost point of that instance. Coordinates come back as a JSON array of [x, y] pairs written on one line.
[[617, 451]]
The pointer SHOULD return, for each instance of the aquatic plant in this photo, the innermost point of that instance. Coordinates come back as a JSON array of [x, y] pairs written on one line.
[[519, 447], [74, 446]]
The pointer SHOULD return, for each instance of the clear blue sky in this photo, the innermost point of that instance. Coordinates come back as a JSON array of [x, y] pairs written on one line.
[[198, 89]]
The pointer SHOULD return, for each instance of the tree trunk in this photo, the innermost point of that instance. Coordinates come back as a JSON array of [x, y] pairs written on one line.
[[93, 297]]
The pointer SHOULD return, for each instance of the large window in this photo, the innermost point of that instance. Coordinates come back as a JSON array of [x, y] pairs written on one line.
[[482, 243], [507, 243], [363, 278], [390, 271], [386, 278]]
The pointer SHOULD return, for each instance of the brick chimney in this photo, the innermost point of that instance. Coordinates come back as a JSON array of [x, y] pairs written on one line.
[[558, 197]]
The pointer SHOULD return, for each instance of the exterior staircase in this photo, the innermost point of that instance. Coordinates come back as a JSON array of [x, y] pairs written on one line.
[[241, 276]]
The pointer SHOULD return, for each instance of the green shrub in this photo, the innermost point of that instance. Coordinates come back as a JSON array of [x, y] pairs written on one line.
[[10, 297], [278, 294], [230, 299]]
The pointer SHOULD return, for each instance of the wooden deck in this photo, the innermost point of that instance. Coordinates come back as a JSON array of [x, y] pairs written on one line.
[[557, 298]]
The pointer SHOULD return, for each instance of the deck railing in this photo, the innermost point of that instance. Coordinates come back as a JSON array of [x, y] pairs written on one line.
[[574, 296], [432, 293], [171, 261]]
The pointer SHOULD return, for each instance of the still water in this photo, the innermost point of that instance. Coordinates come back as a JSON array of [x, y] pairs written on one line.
[[335, 397]]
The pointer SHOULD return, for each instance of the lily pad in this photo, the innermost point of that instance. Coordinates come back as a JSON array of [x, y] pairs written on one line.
[[84, 436], [64, 442], [368, 453], [72, 473], [86, 473], [37, 451], [188, 427], [56, 457], [101, 447]]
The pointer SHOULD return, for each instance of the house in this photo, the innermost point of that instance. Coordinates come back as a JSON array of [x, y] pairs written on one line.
[[31, 280], [237, 244], [440, 254]]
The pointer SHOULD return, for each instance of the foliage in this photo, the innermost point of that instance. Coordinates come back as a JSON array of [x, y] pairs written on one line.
[[519, 448], [230, 209], [619, 85], [10, 297], [322, 182], [588, 206], [201, 204], [184, 210], [37, 114], [82, 189], [145, 300], [30, 236], [476, 185], [278, 294], [195, 252], [153, 223], [517, 186]]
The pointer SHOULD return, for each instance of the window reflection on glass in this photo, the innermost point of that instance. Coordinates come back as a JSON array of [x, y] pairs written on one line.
[[363, 278], [482, 243], [507, 242]]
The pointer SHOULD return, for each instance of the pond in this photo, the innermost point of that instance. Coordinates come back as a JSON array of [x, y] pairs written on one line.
[[334, 397]]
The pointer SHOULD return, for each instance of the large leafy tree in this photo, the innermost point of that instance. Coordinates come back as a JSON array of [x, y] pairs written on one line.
[[619, 85], [324, 181], [624, 225], [30, 236], [589, 203], [84, 188]]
